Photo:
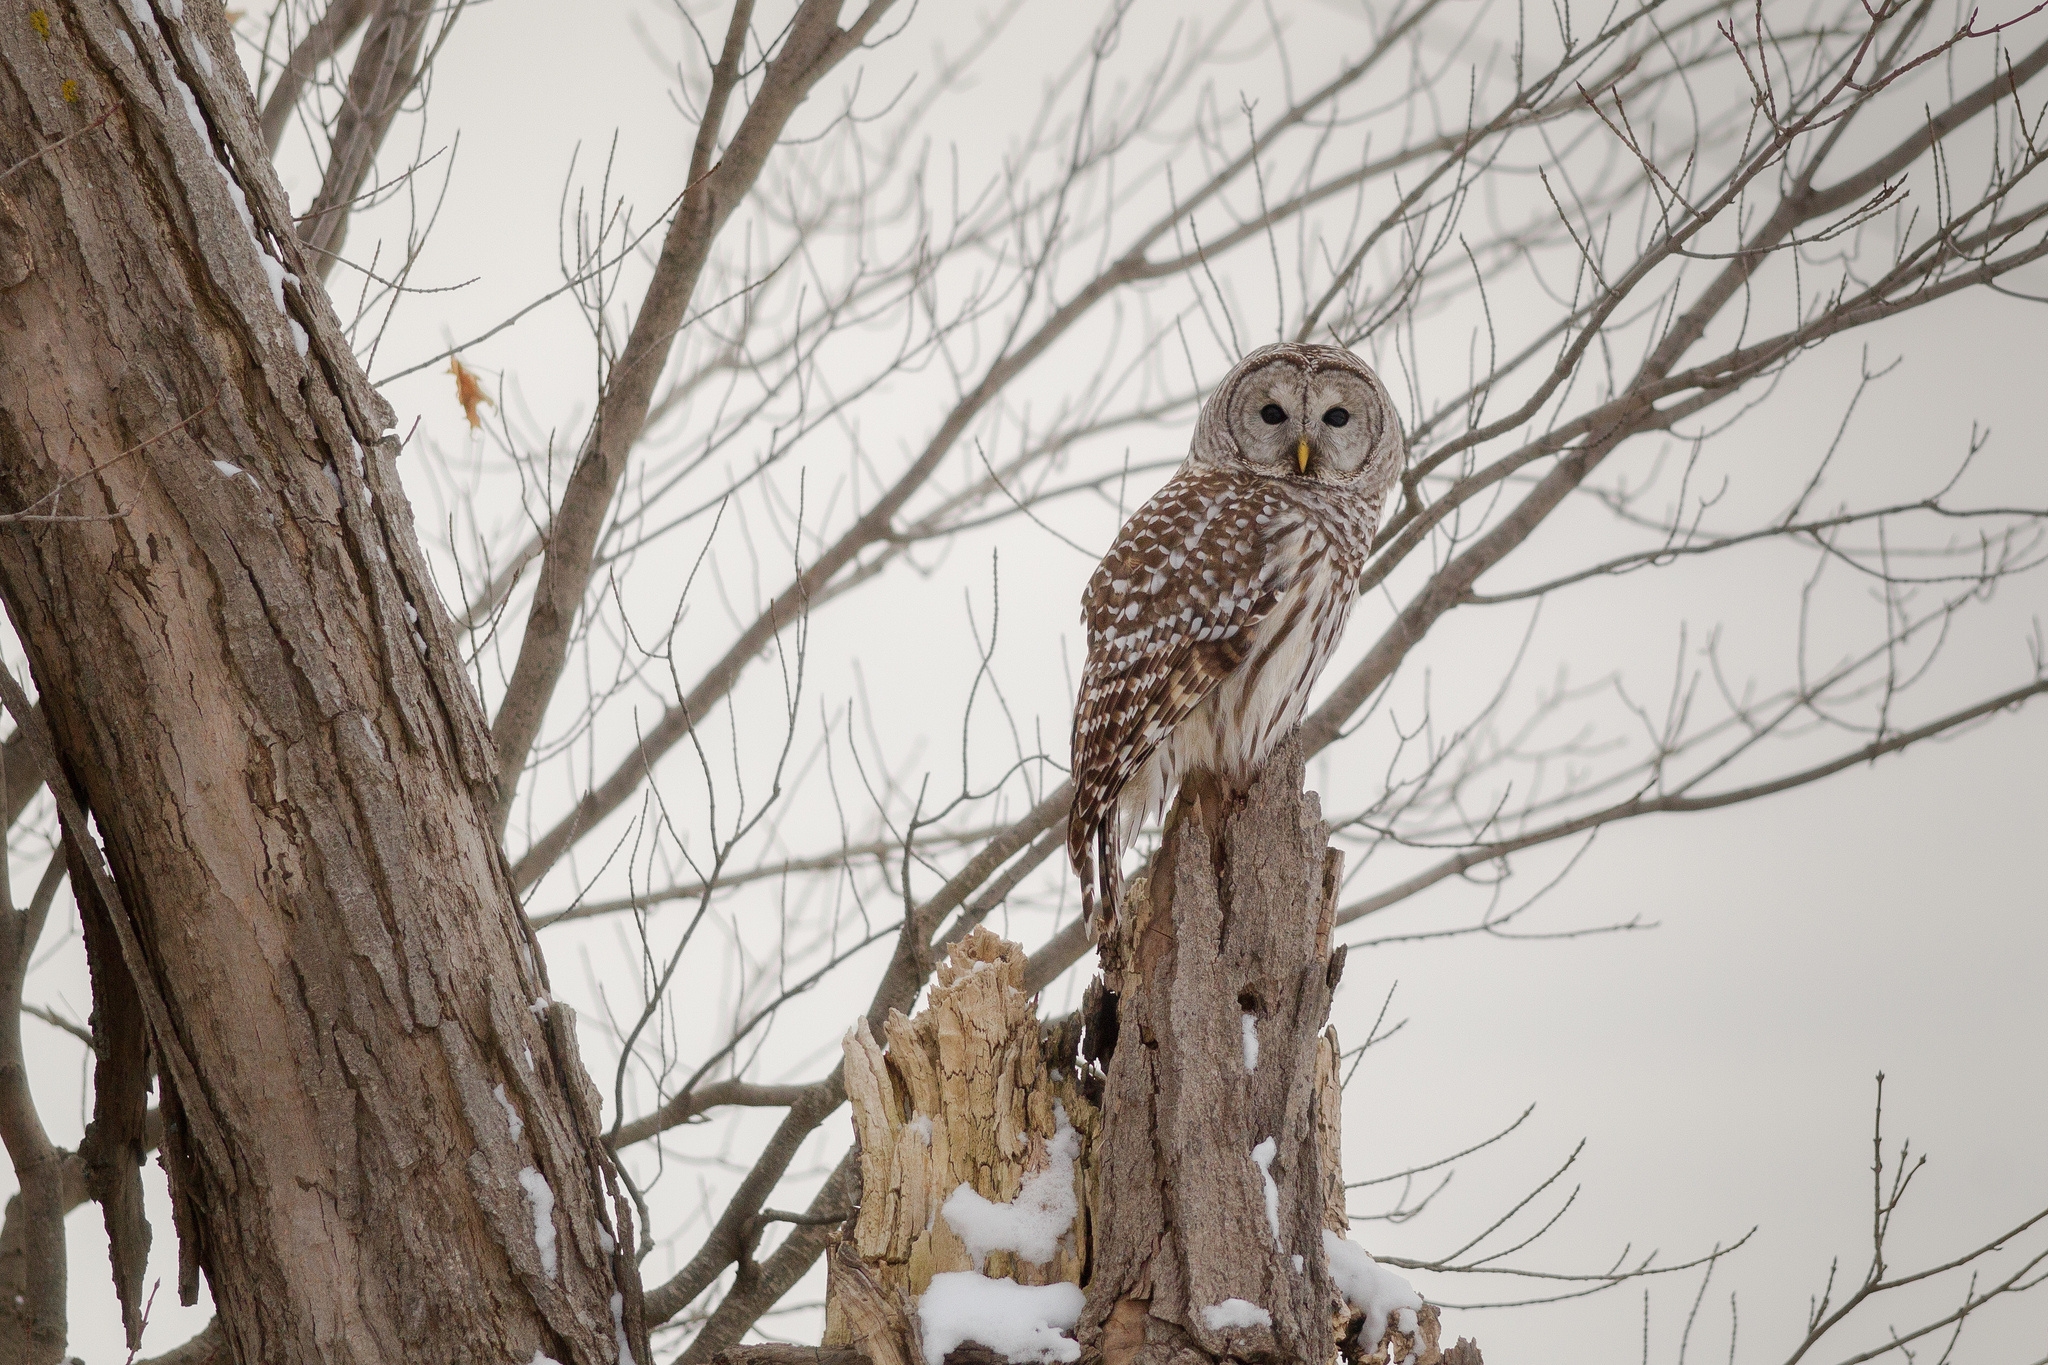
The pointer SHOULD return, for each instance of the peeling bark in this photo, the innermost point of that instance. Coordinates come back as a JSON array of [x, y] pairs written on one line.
[[115, 1141]]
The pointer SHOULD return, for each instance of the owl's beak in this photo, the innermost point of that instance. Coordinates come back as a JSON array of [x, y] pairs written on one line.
[[1301, 455]]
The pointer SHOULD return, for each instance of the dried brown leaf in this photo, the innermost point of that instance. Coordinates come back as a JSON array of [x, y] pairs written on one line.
[[469, 392]]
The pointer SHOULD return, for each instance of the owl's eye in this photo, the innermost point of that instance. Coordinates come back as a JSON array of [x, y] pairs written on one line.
[[1336, 417], [1274, 414]]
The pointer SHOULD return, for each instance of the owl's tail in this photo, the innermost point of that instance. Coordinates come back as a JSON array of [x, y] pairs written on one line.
[[1092, 848]]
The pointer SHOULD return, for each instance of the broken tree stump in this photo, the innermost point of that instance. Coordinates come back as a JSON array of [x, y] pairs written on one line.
[[1212, 1165], [1184, 1170], [962, 1097]]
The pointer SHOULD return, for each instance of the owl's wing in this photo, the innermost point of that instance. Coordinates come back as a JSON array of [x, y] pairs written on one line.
[[1169, 614]]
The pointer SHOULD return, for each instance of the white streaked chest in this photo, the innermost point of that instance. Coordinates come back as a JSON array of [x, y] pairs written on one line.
[[1240, 723]]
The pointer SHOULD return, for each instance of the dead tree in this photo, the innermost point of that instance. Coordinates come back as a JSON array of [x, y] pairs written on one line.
[[1217, 1173], [1183, 1168]]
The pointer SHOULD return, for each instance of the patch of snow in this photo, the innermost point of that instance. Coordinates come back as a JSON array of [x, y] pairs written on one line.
[[539, 1006], [542, 1197], [922, 1126], [227, 471], [333, 477], [528, 1052], [604, 1239], [274, 272], [197, 119], [542, 1358], [1262, 1157], [619, 1326], [1222, 1317], [176, 9], [1370, 1287], [140, 13], [194, 117], [1251, 1043], [241, 202], [1021, 1322], [1031, 1224], [127, 42], [300, 341], [512, 1119], [1299, 1264]]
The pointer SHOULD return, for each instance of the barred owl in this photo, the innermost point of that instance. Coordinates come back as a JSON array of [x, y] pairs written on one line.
[[1224, 596]]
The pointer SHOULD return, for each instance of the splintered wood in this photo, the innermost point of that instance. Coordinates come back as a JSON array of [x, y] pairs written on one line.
[[961, 1095], [1421, 1347]]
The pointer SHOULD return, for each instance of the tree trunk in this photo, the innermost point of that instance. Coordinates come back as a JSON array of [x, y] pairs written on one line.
[[382, 1143], [1215, 1192]]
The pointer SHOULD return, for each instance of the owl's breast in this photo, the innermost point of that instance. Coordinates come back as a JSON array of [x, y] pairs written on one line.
[[1263, 698]]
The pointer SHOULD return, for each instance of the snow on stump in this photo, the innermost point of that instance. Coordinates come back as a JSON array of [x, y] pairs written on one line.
[[972, 1231]]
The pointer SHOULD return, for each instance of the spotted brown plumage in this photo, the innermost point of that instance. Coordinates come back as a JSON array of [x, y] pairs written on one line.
[[1225, 594]]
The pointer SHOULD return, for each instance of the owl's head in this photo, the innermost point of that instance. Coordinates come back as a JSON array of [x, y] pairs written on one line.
[[1308, 413]]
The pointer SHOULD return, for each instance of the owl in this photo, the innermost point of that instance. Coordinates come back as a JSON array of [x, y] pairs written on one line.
[[1213, 613]]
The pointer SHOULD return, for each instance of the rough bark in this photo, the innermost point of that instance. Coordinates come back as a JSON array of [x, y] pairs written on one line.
[[1211, 1018], [1234, 920], [256, 692]]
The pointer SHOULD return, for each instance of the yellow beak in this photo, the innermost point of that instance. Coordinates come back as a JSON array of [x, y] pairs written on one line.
[[1301, 455]]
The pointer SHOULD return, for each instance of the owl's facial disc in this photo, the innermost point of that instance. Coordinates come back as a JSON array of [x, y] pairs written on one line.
[[1302, 412]]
